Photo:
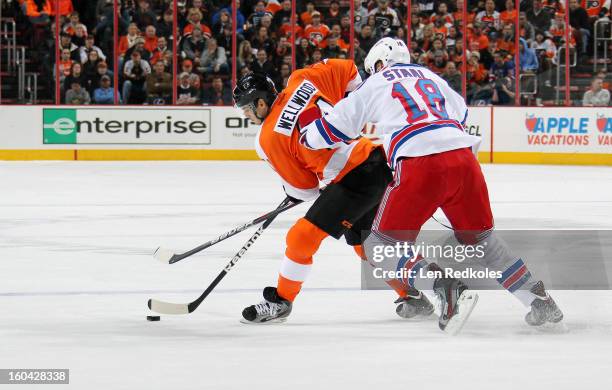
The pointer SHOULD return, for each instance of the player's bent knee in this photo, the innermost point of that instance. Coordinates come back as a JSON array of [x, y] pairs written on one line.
[[303, 240]]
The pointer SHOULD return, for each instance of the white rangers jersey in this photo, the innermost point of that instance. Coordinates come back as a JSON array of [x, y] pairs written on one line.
[[415, 110]]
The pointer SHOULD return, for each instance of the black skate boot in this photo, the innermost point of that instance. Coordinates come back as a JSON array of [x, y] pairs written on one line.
[[543, 308], [414, 304], [272, 309], [457, 302]]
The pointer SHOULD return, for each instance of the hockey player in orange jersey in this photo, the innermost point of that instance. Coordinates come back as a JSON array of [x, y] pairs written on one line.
[[354, 177]]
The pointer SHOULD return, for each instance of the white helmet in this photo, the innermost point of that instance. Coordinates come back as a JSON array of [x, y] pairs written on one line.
[[388, 51]]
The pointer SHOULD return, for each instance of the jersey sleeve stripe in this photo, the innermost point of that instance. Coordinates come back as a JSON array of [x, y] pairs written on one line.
[[323, 133], [333, 131]]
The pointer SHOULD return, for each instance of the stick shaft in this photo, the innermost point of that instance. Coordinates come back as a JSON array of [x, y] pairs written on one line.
[[284, 207]]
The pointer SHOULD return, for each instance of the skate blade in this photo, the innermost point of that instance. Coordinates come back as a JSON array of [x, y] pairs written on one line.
[[275, 321], [465, 304], [552, 328]]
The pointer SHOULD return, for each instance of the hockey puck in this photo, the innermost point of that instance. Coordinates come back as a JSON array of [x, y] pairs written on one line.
[[153, 318]]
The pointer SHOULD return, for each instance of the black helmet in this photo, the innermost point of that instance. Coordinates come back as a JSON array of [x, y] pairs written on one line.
[[254, 86]]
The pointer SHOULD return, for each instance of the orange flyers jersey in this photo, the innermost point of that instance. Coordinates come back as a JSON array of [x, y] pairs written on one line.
[[301, 169], [316, 33], [593, 7]]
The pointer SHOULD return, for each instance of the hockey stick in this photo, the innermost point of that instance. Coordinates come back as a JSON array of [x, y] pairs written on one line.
[[169, 257], [186, 308]]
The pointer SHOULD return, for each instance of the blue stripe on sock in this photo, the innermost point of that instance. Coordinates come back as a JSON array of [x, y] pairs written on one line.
[[510, 270]]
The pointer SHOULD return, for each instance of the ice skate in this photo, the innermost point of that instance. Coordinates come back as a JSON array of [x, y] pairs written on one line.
[[543, 308], [272, 309], [456, 300], [414, 304]]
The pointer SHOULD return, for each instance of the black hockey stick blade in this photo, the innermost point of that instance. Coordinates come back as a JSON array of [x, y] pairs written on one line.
[[186, 308], [167, 256]]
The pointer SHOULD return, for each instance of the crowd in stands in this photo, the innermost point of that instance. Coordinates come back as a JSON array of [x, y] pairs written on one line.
[[266, 35]]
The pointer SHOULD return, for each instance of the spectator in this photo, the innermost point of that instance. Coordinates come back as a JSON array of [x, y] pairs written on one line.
[[76, 75], [262, 65], [438, 63], [240, 19], [527, 57], [476, 72], [150, 39], [361, 15], [80, 35], [213, 59], [579, 19], [245, 55], [218, 95], [452, 76], [254, 20], [222, 22], [89, 46], [262, 40], [333, 13], [194, 45], [186, 92], [506, 40], [187, 67], [538, 16], [282, 49], [159, 85], [37, 11], [66, 43], [158, 53], [279, 80], [101, 71], [476, 34], [366, 40], [143, 16], [317, 31], [596, 96], [360, 54], [104, 94], [416, 27], [500, 68], [138, 46], [164, 25], [316, 56], [526, 29], [332, 50], [90, 68], [282, 16], [194, 19], [503, 91], [385, 17], [306, 16], [73, 23], [65, 64], [303, 52], [508, 16], [489, 18], [135, 73], [129, 40], [77, 95]]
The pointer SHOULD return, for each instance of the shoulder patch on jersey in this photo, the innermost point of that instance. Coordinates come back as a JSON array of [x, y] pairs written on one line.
[[295, 104]]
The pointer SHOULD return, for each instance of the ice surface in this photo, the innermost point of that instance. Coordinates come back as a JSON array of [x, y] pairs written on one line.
[[76, 271]]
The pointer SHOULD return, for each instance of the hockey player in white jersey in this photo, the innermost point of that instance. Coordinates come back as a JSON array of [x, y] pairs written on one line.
[[422, 121]]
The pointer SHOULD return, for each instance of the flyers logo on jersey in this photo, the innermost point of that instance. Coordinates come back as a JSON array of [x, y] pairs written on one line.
[[296, 103]]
